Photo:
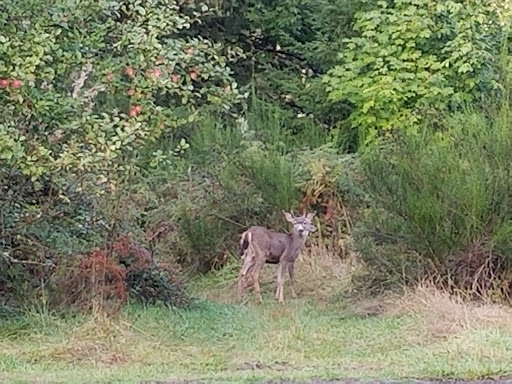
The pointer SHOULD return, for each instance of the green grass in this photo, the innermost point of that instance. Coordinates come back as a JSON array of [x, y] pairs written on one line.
[[245, 342]]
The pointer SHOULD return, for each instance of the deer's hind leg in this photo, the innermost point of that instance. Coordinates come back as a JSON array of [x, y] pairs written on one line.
[[254, 260], [259, 262], [246, 269], [241, 282]]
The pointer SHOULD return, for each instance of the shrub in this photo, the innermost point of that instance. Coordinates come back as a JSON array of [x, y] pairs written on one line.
[[85, 88], [330, 185], [97, 82], [442, 204], [106, 277], [235, 179]]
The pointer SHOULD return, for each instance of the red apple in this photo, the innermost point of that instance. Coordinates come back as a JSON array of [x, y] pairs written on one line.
[[4, 83], [138, 108], [133, 112], [157, 72], [175, 78], [193, 75], [129, 71], [16, 83]]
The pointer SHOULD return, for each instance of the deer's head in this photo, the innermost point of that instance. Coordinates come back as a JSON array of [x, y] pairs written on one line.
[[302, 225]]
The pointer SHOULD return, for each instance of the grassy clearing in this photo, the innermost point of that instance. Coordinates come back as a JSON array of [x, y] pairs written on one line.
[[418, 334]]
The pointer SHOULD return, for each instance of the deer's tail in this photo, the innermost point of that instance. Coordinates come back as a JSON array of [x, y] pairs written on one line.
[[245, 242], [248, 253]]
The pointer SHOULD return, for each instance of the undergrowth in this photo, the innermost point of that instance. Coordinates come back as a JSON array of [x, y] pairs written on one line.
[[205, 183], [423, 333], [441, 205], [237, 174]]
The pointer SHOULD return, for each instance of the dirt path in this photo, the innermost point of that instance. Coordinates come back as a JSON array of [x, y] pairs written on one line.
[[349, 381]]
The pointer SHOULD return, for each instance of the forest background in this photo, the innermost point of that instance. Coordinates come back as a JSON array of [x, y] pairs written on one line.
[[138, 139]]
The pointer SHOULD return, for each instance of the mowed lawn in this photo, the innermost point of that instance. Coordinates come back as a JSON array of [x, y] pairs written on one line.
[[420, 334]]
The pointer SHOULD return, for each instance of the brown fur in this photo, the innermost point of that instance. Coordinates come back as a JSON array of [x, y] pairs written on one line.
[[259, 245]]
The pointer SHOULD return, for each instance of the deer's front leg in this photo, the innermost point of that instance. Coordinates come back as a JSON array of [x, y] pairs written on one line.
[[281, 269], [277, 279], [292, 279]]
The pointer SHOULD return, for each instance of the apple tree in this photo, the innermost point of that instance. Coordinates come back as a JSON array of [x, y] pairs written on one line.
[[84, 86]]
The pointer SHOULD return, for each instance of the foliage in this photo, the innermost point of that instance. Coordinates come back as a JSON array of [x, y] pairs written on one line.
[[414, 58], [156, 284], [288, 45], [228, 179], [442, 204], [331, 186], [130, 120], [235, 175], [84, 88], [129, 79]]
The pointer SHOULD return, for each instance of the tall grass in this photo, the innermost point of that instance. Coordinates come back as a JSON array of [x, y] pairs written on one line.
[[282, 129], [232, 175], [442, 201]]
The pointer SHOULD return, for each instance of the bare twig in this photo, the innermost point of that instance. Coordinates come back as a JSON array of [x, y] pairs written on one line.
[[230, 221], [79, 83]]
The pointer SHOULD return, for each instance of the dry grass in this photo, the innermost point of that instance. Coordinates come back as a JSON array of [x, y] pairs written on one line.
[[438, 315], [442, 315], [319, 275]]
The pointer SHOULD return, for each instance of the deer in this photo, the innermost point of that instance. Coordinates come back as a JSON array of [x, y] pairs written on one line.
[[259, 245]]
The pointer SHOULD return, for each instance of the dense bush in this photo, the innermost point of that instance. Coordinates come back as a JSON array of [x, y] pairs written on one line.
[[442, 204], [105, 278], [86, 106], [84, 89], [288, 46]]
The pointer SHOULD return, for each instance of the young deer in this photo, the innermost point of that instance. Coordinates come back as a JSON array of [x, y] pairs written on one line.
[[259, 245]]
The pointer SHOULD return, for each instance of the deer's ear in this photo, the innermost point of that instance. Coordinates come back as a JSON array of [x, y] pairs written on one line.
[[288, 216], [311, 228], [310, 216]]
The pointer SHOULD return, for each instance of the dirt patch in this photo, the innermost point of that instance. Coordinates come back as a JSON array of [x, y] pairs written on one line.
[[350, 381], [255, 366]]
